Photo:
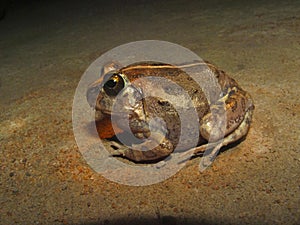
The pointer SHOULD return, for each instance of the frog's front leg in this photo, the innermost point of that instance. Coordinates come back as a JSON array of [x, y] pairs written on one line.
[[228, 121], [162, 148]]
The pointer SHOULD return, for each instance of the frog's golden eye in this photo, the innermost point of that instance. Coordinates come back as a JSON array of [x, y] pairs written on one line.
[[114, 85]]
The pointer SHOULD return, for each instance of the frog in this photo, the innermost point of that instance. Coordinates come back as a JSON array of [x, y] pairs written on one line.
[[158, 138]]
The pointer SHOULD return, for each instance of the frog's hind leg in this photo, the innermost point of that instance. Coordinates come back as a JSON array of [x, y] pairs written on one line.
[[214, 147]]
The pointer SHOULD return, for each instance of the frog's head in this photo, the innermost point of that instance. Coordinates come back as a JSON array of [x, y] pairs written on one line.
[[113, 93]]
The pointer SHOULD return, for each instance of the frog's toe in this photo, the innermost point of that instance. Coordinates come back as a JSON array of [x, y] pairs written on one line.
[[119, 152]]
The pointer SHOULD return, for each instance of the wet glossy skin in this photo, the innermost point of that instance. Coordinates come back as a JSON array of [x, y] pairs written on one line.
[[218, 97]]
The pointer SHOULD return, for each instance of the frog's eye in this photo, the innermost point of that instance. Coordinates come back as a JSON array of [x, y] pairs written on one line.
[[114, 85]]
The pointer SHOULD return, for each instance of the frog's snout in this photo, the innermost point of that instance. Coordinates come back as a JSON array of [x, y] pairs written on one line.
[[92, 95]]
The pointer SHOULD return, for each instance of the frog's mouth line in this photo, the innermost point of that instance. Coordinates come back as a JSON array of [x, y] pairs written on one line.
[[105, 112], [108, 113], [101, 114]]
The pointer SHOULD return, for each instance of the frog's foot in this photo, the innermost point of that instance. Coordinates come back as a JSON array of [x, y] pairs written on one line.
[[198, 151], [119, 149], [153, 149], [119, 152], [116, 145]]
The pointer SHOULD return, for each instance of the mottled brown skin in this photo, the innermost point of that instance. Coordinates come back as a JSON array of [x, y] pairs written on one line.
[[218, 95]]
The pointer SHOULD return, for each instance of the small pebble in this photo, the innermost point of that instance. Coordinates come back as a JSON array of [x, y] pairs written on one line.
[[64, 187], [15, 191]]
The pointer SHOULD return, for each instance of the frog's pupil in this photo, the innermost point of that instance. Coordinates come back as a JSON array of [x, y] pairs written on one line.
[[111, 83]]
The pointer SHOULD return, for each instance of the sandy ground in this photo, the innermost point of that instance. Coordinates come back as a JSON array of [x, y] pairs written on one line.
[[46, 47]]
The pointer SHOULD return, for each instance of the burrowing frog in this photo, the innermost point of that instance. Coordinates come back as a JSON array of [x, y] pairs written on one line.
[[138, 111]]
